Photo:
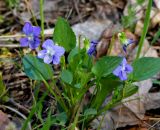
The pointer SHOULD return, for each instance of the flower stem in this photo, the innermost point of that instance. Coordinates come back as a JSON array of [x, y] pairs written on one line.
[[42, 18], [145, 28], [111, 45], [61, 102]]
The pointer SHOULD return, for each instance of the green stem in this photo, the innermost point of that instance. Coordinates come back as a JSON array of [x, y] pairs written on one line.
[[100, 124], [145, 28], [61, 102], [107, 107], [79, 42], [75, 121], [111, 45], [33, 110], [84, 122], [82, 92], [42, 18]]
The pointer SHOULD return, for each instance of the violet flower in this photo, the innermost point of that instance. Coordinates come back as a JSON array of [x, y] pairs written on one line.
[[122, 70], [32, 36], [125, 45], [51, 53], [92, 49]]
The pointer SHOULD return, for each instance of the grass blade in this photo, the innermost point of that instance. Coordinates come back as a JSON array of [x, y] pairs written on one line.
[[145, 28]]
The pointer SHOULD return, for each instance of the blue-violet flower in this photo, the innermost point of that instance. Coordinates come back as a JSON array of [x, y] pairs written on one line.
[[32, 36], [51, 53], [124, 41], [92, 49], [122, 70]]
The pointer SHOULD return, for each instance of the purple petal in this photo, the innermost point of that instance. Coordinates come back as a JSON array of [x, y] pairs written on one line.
[[24, 42], [124, 62], [48, 59], [36, 31], [28, 29], [37, 41], [125, 48], [34, 44], [48, 44], [94, 43], [123, 75], [41, 54], [56, 60], [130, 41], [117, 71], [59, 50], [91, 51], [128, 68], [92, 48]]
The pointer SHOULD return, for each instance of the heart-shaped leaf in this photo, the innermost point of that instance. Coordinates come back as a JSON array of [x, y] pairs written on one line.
[[145, 68], [64, 35], [36, 69]]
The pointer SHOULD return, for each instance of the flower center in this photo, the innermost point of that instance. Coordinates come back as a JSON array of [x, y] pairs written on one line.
[[50, 52], [123, 67], [30, 37]]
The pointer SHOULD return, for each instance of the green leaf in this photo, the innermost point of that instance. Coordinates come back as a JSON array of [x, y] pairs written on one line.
[[3, 91], [61, 118], [78, 60], [129, 90], [78, 85], [36, 69], [2, 86], [64, 35], [123, 91], [90, 111], [155, 37], [106, 65], [67, 76], [107, 85], [84, 77], [145, 68], [140, 2], [72, 54]]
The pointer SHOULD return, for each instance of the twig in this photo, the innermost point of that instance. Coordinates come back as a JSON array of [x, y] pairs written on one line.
[[156, 119], [10, 45], [29, 7], [76, 2], [18, 82], [19, 106], [11, 36], [154, 125], [5, 77]]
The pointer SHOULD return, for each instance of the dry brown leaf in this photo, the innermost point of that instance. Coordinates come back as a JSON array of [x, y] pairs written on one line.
[[155, 20], [157, 3], [3, 118]]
